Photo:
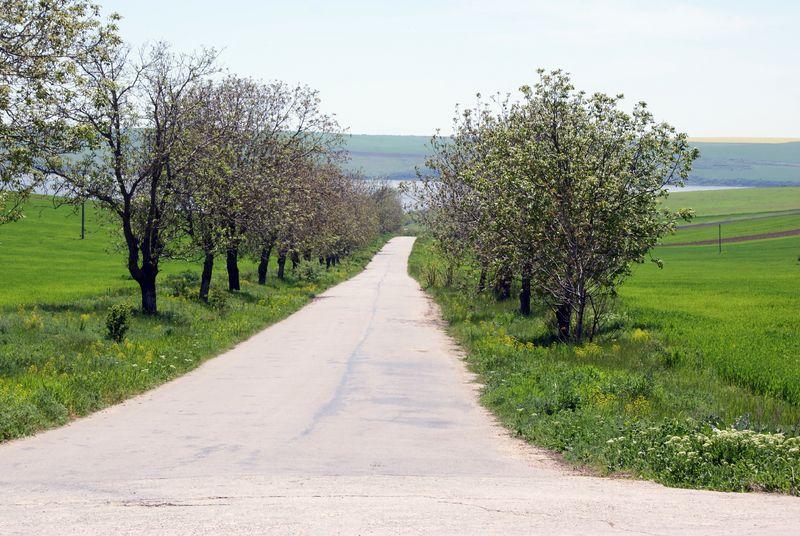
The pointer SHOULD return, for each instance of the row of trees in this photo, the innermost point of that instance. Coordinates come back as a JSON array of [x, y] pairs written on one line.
[[558, 190], [187, 161]]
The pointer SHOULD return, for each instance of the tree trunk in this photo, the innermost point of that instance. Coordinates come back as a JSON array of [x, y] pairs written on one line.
[[579, 314], [525, 295], [232, 264], [147, 283], [328, 261], [563, 317], [281, 264], [482, 280], [205, 279], [264, 264], [502, 285], [295, 260]]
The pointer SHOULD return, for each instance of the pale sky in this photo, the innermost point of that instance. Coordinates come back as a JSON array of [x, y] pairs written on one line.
[[711, 68]]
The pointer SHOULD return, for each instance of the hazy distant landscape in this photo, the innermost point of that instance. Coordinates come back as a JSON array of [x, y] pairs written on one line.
[[726, 163]]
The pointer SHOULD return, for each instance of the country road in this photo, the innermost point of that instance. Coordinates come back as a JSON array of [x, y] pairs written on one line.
[[352, 416]]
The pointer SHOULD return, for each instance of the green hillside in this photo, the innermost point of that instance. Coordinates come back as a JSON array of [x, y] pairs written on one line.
[[720, 164], [392, 157], [747, 164]]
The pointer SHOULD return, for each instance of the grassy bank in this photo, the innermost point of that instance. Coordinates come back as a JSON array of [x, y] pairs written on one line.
[[657, 394], [56, 362]]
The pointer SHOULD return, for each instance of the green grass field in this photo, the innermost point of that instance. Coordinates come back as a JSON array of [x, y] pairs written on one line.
[[740, 212], [43, 259], [736, 312], [56, 362], [737, 201], [699, 358]]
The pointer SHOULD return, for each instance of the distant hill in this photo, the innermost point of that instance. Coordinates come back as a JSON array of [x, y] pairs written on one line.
[[747, 164], [387, 156], [727, 162]]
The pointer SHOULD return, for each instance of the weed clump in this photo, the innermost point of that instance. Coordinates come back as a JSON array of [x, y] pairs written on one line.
[[118, 321], [310, 271], [182, 285], [430, 276], [218, 299]]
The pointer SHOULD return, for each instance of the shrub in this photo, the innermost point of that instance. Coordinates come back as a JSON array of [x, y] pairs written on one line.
[[429, 275], [218, 299], [118, 321], [449, 274], [182, 285], [309, 270]]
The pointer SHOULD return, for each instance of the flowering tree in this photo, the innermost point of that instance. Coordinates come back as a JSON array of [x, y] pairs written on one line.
[[39, 39], [570, 186]]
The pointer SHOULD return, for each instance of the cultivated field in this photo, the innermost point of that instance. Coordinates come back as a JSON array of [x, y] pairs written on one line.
[[736, 215], [736, 202]]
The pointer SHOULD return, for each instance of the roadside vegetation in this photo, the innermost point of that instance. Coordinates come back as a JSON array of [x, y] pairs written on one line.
[[544, 218], [687, 396]]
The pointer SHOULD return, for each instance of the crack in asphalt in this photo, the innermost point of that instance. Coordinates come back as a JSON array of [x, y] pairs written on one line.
[[333, 405]]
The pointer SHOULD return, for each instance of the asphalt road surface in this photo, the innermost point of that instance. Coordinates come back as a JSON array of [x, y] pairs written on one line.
[[352, 416]]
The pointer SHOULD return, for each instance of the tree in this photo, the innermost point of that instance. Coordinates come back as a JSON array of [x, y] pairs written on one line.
[[567, 188], [202, 188], [255, 184], [39, 39], [390, 207], [133, 115], [458, 211], [286, 131], [584, 180]]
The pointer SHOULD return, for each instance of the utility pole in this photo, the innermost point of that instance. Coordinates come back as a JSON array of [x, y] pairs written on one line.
[[83, 220], [719, 237]]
